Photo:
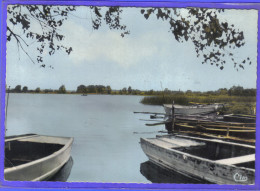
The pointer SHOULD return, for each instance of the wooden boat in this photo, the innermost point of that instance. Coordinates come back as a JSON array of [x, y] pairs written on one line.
[[156, 174], [240, 118], [190, 110], [235, 129], [63, 174], [213, 160], [35, 157]]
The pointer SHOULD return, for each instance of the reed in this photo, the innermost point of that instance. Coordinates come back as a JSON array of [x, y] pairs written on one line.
[[186, 99], [234, 104]]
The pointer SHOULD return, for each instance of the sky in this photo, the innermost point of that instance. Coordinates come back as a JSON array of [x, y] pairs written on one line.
[[148, 58]]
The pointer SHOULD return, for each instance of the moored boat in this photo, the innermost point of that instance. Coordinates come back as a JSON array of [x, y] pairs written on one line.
[[156, 174], [35, 157], [235, 129], [240, 118], [190, 110], [213, 160]]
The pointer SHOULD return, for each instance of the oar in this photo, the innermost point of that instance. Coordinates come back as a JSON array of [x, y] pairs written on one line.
[[144, 112], [150, 120], [155, 124]]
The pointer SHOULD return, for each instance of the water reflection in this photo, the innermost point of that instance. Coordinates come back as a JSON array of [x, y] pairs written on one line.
[[64, 173], [156, 174]]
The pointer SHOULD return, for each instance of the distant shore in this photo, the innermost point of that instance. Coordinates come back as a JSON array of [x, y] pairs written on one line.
[[237, 99]]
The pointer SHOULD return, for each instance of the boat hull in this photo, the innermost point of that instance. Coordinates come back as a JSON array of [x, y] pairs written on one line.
[[246, 133], [189, 110], [43, 168], [191, 165]]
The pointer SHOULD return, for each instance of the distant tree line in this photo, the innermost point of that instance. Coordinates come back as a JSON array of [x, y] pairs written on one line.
[[98, 89], [19, 89], [101, 89]]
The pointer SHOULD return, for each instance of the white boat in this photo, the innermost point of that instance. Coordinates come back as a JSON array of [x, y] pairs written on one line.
[[212, 160], [35, 157], [190, 110]]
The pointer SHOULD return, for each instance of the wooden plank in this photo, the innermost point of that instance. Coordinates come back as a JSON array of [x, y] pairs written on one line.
[[182, 142], [211, 129], [200, 121], [216, 140], [237, 160], [238, 130], [175, 142], [21, 138], [226, 126], [162, 143], [252, 141]]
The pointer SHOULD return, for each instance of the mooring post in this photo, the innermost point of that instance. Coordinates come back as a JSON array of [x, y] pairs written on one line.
[[6, 108], [173, 117], [227, 132]]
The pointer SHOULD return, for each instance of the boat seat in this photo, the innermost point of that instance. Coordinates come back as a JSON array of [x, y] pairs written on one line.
[[182, 142], [237, 160], [175, 143], [162, 143]]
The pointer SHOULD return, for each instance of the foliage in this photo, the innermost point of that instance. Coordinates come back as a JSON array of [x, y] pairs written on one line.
[[25, 89], [50, 19], [100, 89], [186, 99], [213, 40], [81, 89], [241, 108], [129, 90], [17, 89], [241, 103], [111, 17], [38, 90], [240, 91], [109, 90], [62, 90]]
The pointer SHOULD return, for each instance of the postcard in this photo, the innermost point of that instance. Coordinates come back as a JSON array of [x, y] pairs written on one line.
[[133, 95]]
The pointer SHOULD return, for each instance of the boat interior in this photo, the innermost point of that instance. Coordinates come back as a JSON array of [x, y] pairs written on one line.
[[21, 152], [215, 150]]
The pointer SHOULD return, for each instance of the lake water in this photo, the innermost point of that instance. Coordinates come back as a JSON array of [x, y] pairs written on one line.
[[106, 133]]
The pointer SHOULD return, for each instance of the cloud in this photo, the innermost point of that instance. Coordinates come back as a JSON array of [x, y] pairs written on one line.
[[107, 45]]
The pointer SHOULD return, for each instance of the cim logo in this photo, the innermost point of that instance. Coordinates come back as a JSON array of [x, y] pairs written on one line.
[[239, 177]]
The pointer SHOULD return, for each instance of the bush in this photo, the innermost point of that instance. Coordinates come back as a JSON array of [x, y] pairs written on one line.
[[235, 104]]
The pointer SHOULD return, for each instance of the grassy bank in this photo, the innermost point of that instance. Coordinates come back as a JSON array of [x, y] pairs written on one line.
[[235, 104]]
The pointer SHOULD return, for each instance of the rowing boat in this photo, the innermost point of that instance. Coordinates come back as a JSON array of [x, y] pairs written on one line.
[[213, 160], [35, 157], [190, 110]]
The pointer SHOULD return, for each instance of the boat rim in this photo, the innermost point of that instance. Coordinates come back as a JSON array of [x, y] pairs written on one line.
[[194, 156], [65, 147]]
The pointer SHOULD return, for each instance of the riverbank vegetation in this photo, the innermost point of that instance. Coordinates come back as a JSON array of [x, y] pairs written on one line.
[[83, 89], [236, 99]]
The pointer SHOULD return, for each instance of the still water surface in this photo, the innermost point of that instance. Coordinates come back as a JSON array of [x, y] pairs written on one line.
[[106, 135], [106, 132]]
